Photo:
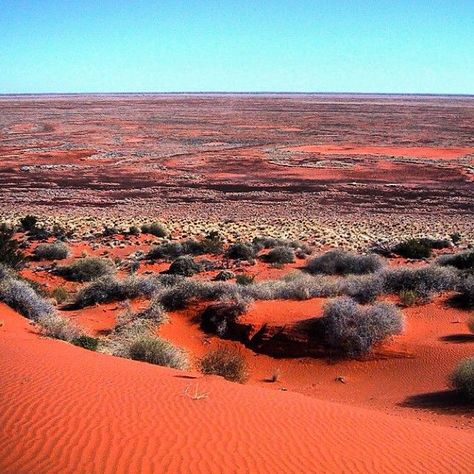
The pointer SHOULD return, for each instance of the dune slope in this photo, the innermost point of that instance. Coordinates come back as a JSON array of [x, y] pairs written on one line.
[[65, 409]]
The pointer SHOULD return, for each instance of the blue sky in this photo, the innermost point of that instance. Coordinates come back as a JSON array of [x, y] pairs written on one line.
[[237, 45]]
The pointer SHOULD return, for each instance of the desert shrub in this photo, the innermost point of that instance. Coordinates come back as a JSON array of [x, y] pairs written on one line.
[[260, 243], [219, 317], [455, 238], [363, 288], [241, 251], [185, 266], [155, 350], [470, 323], [86, 269], [352, 330], [133, 230], [298, 286], [28, 223], [60, 294], [156, 229], [86, 342], [54, 251], [168, 250], [179, 296], [425, 281], [464, 296], [10, 254], [153, 312], [461, 261], [57, 327], [339, 262], [413, 248], [22, 298], [228, 362], [108, 288], [224, 275], [280, 255], [409, 298], [213, 243], [6, 272], [244, 279], [436, 243], [462, 378]]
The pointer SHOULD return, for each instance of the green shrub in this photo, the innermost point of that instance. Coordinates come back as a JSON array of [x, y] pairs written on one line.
[[413, 248], [409, 298], [280, 255], [464, 297], [461, 261], [108, 288], [462, 378], [244, 279], [54, 251], [10, 254], [339, 262], [156, 229], [241, 251], [184, 266], [87, 342], [228, 362], [28, 223], [86, 269], [156, 350], [60, 294], [352, 330]]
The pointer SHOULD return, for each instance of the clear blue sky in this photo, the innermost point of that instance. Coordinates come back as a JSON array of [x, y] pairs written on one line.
[[237, 45]]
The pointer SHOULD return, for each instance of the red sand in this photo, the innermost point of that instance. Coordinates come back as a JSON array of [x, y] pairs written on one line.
[[69, 410]]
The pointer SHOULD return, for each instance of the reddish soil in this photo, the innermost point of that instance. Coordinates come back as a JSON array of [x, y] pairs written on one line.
[[198, 155], [70, 410]]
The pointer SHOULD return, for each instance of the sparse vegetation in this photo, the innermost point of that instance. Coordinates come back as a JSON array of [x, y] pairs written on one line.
[[461, 261], [462, 378], [339, 262], [219, 317], [86, 269], [22, 298], [185, 266], [86, 342], [464, 297], [10, 254], [156, 229], [409, 298], [57, 327], [108, 288], [244, 279], [55, 251], [424, 281], [228, 362], [241, 251], [156, 350], [352, 330], [413, 248], [60, 294], [280, 255]]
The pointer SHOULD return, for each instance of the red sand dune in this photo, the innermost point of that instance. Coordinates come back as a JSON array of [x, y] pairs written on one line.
[[65, 409]]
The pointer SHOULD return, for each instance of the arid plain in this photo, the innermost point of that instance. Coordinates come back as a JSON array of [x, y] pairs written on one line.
[[239, 223]]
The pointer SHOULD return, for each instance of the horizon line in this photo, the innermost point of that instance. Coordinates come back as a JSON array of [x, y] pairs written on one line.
[[416, 94]]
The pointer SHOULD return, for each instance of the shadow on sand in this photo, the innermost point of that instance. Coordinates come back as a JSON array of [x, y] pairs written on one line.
[[458, 338], [443, 401]]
